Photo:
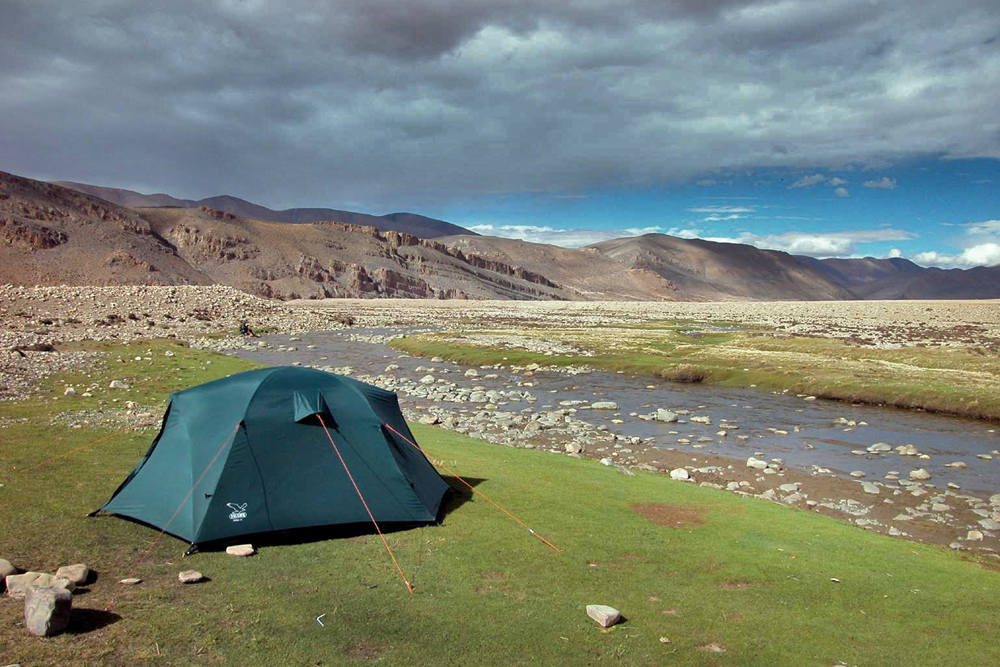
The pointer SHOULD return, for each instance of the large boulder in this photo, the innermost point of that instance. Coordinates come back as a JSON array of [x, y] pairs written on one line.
[[47, 610], [666, 416], [77, 573], [604, 405], [18, 584]]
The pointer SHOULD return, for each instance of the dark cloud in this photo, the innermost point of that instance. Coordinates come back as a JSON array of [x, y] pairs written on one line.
[[381, 102]]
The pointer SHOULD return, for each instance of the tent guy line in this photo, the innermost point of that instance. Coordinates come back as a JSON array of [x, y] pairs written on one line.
[[409, 588], [163, 530], [474, 489]]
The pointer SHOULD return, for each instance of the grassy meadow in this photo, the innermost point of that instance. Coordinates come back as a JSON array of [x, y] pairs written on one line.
[[702, 577], [959, 380]]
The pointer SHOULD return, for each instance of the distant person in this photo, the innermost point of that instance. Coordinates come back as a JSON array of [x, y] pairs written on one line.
[[246, 330]]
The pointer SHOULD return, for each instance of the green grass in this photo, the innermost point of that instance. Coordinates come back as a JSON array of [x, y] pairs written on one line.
[[955, 380], [748, 575]]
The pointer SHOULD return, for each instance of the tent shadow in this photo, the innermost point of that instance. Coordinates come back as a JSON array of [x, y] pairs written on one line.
[[458, 496]]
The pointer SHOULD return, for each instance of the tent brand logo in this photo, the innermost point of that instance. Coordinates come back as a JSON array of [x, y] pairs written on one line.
[[239, 511]]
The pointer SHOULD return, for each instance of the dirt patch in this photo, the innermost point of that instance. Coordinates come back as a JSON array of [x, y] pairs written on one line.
[[735, 585], [486, 589], [364, 651], [671, 516], [493, 575]]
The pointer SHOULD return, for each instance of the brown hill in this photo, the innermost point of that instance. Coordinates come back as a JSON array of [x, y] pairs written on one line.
[[53, 235], [411, 223], [856, 272], [586, 273], [709, 271]]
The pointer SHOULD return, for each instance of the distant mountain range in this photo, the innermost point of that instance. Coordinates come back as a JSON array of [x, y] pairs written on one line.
[[411, 223], [85, 235]]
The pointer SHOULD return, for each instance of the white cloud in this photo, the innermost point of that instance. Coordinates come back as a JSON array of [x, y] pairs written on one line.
[[894, 252], [808, 181], [837, 180], [983, 254], [722, 209], [986, 227], [842, 192], [568, 238], [884, 183], [820, 244]]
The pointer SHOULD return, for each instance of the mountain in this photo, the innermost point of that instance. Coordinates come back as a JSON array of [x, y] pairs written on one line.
[[709, 271], [50, 235], [411, 223]]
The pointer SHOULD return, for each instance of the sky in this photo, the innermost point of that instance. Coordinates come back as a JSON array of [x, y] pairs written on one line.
[[839, 128]]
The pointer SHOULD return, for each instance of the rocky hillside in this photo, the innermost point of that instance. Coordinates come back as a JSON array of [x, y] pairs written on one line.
[[51, 235], [708, 271], [411, 223]]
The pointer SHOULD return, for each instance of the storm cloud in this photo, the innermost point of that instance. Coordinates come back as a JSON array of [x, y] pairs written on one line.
[[378, 102]]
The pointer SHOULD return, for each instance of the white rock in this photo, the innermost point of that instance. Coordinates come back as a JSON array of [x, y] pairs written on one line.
[[604, 405], [919, 473], [69, 392], [190, 576], [974, 536], [879, 447], [870, 487], [607, 462], [790, 488], [679, 473], [756, 463], [117, 384], [666, 416], [77, 573], [47, 610], [604, 615], [18, 584], [241, 550]]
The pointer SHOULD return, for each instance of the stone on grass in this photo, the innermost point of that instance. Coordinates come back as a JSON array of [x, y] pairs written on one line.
[[190, 577], [573, 447], [919, 473], [18, 584], [607, 462], [131, 581], [679, 474], [604, 615], [47, 610], [241, 550], [76, 573], [6, 568], [117, 384]]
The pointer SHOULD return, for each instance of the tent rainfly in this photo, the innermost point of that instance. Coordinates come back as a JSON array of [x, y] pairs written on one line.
[[252, 453]]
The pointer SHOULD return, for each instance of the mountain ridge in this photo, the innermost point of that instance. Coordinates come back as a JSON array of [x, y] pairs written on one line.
[[411, 223]]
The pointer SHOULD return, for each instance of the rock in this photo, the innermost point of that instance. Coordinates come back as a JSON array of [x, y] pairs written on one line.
[[857, 473], [190, 577], [907, 450], [870, 487], [607, 462], [604, 615], [809, 398], [131, 581], [988, 524], [6, 569], [919, 473], [995, 500], [679, 473], [756, 463], [956, 464], [573, 447], [985, 457], [974, 536], [701, 419], [666, 416], [879, 447], [241, 550], [69, 392], [430, 420], [76, 573], [604, 405], [117, 384], [427, 379], [18, 584], [790, 488], [472, 373], [47, 610]]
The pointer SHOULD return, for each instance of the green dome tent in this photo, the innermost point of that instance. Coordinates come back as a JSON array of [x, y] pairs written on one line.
[[252, 453]]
